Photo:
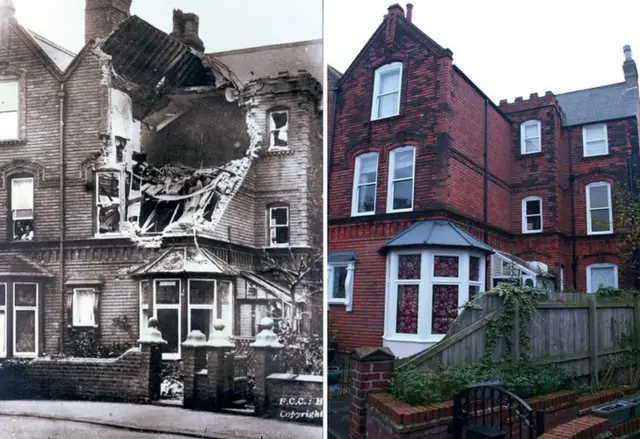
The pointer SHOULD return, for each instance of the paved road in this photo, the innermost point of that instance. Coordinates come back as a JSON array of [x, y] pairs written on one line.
[[17, 427]]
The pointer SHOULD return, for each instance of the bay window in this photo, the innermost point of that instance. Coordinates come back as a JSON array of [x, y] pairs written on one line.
[[365, 182], [209, 300], [401, 179], [25, 319]]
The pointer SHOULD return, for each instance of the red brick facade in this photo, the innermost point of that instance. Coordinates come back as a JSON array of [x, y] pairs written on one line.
[[469, 169]]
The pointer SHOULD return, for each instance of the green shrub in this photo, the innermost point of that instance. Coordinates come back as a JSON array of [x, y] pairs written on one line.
[[416, 386]]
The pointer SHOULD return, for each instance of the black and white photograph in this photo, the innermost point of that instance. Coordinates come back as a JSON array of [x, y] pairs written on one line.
[[161, 219]]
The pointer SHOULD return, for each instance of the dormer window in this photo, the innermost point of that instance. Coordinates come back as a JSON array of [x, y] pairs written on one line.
[[530, 137], [9, 98], [594, 140], [278, 130], [386, 91]]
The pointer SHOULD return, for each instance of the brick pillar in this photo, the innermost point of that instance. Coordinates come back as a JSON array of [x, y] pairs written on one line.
[[265, 347], [218, 346], [194, 358], [151, 343], [370, 370]]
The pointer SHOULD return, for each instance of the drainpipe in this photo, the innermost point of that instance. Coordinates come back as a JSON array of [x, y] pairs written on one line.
[[334, 112], [61, 95], [572, 178], [486, 170]]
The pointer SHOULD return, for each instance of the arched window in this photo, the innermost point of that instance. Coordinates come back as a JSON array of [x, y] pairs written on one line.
[[365, 183], [530, 137], [601, 276], [531, 215], [386, 91], [599, 209]]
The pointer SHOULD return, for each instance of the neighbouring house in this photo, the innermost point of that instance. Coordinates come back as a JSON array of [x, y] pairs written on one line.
[[436, 193], [144, 177]]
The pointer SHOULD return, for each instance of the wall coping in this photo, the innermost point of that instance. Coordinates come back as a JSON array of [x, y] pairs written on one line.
[[294, 377], [88, 360], [586, 426]]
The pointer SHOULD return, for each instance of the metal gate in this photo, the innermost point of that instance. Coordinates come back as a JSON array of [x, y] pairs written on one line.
[[489, 411]]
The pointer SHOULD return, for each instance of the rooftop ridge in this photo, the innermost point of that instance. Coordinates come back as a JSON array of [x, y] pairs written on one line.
[[592, 88], [268, 47]]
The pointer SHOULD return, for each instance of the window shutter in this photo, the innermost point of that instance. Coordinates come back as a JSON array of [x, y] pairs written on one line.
[[70, 309]]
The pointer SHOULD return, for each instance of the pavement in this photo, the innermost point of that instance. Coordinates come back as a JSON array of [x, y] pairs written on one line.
[[146, 418], [338, 411]]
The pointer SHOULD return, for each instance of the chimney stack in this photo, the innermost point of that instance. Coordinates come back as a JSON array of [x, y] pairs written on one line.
[[6, 9], [395, 9], [185, 29], [409, 12], [629, 68], [101, 17]]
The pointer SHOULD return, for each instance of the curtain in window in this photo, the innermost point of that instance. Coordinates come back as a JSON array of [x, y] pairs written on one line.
[[407, 314], [83, 305], [602, 277], [445, 308]]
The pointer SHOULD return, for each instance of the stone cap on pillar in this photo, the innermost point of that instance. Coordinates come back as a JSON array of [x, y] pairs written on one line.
[[152, 335], [372, 354], [266, 338], [195, 339], [218, 339]]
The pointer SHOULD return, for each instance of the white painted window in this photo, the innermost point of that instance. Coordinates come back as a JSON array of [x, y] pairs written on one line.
[[22, 208], [401, 179], [25, 319], [386, 91], [426, 290], [209, 300], [531, 215], [3, 320], [599, 210], [84, 307], [530, 137], [278, 130], [279, 226], [341, 284], [9, 107], [365, 183], [601, 275], [160, 298], [594, 140], [108, 196]]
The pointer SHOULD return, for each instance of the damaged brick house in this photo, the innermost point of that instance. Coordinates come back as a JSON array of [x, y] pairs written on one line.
[[143, 177], [436, 193]]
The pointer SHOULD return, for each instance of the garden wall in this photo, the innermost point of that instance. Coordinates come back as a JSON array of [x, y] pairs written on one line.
[[296, 397]]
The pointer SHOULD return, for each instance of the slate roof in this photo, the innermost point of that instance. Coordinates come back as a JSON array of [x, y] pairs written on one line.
[[608, 102], [59, 55], [270, 61], [18, 265], [437, 233]]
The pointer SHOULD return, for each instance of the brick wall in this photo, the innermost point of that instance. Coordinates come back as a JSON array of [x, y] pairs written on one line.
[[295, 397]]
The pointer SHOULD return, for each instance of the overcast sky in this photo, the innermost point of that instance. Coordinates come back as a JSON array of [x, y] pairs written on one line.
[[508, 48], [224, 24]]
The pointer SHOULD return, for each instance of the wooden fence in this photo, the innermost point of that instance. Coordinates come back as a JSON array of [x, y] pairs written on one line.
[[581, 331]]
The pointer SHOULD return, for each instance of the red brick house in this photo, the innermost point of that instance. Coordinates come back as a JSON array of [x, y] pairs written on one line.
[[143, 177], [436, 193]]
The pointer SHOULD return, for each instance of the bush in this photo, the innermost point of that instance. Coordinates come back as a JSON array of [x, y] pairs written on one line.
[[416, 386], [302, 353], [85, 343]]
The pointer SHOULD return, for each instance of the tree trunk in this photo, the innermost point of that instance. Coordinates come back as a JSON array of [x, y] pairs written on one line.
[[292, 291]]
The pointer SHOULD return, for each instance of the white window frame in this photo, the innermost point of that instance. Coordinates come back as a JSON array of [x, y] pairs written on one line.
[[93, 310], [285, 129], [605, 137], [211, 308], [16, 111], [273, 227], [13, 211], [523, 138], [526, 215], [3, 310], [357, 185], [36, 321], [588, 204], [392, 180], [348, 284], [426, 282], [98, 205], [601, 265], [376, 89], [156, 307]]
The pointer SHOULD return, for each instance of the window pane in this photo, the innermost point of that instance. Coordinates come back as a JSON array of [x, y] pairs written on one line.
[[9, 96], [532, 145], [474, 268], [368, 168], [25, 331], [389, 81], [602, 277], [22, 194], [473, 291], [409, 266], [167, 292], [388, 105], [109, 219], [533, 207], [366, 198], [594, 133], [3, 295], [108, 188], [445, 266], [201, 292], [201, 320], [600, 220], [530, 131], [596, 147], [403, 194], [145, 292], [83, 301], [445, 308], [282, 235], [407, 315], [279, 216], [9, 126], [598, 197], [339, 279], [533, 223], [26, 294], [403, 164], [168, 326], [3, 334], [224, 310]]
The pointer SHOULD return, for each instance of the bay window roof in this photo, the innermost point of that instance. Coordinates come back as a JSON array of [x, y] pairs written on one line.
[[12, 264], [178, 260], [435, 233]]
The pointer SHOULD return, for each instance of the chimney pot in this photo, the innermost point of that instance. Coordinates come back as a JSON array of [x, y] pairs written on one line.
[[409, 12], [396, 9]]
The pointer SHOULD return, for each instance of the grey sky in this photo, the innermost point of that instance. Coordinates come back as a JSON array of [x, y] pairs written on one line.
[[508, 48], [224, 24]]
